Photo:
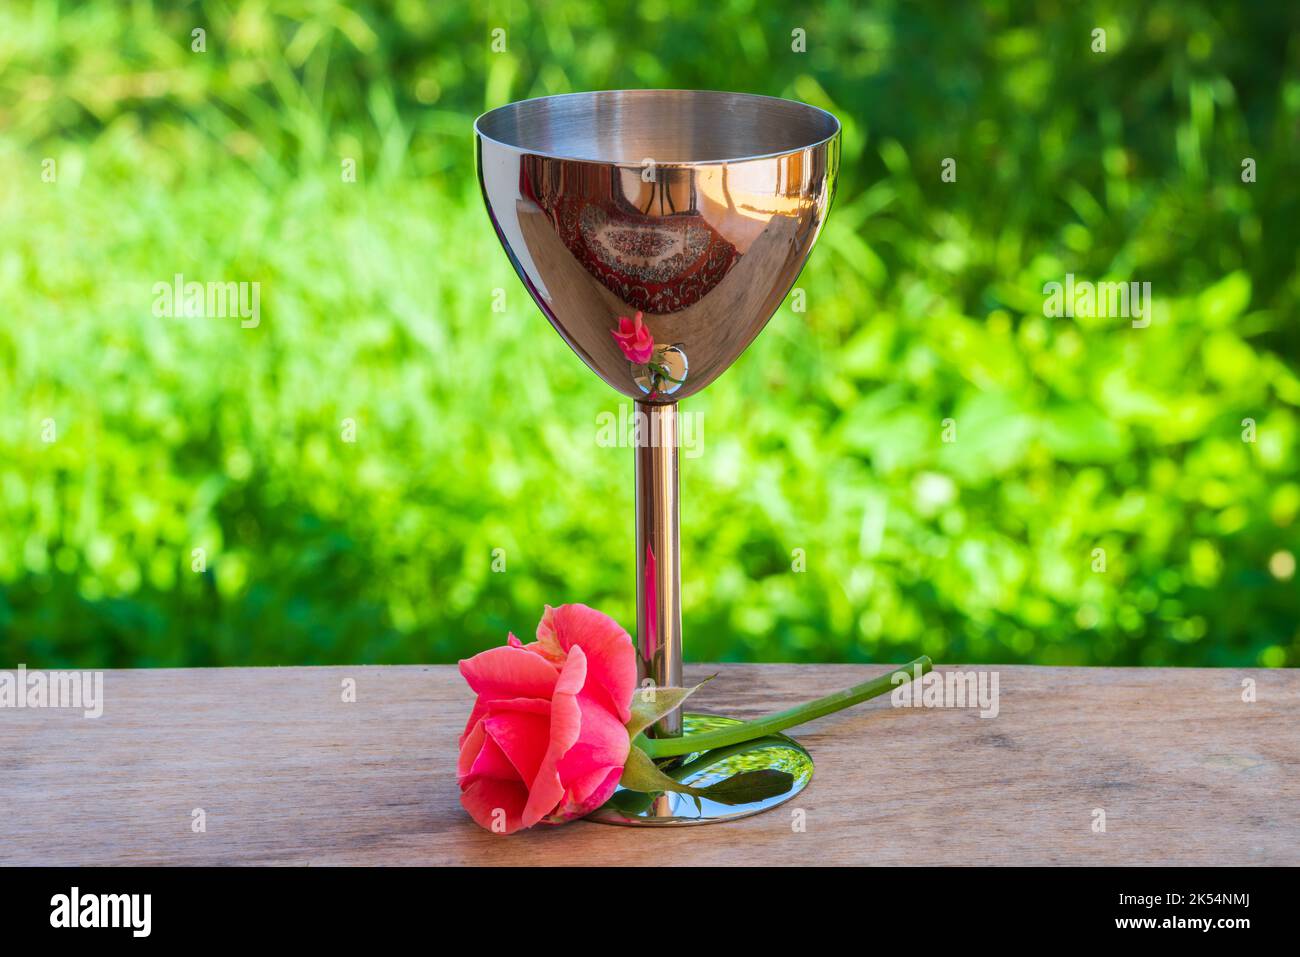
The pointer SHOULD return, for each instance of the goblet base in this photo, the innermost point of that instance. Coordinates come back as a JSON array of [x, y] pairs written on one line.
[[775, 752]]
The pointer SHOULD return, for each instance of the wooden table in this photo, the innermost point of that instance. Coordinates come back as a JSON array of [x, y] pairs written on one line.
[[286, 772]]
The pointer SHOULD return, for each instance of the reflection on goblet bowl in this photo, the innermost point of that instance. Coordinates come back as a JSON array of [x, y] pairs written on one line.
[[696, 209], [655, 264]]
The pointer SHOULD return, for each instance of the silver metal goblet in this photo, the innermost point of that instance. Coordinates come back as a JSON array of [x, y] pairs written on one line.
[[695, 210]]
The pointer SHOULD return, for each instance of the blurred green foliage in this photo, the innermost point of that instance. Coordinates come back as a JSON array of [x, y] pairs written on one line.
[[476, 430]]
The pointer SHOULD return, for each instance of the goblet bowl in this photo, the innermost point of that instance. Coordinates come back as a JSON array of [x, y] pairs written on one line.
[[697, 209]]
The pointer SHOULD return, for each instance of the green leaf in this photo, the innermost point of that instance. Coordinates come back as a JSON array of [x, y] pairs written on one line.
[[1078, 432], [643, 775], [748, 786], [649, 704], [630, 803], [1225, 300]]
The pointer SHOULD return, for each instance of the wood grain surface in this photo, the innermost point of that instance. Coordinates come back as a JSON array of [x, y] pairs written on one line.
[[286, 772]]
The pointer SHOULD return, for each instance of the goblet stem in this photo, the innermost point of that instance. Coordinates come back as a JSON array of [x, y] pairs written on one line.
[[658, 572]]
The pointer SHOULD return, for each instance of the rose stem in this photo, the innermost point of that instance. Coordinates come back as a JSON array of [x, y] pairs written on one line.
[[761, 727]]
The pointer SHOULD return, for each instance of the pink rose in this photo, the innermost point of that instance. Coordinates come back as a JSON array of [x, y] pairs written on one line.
[[547, 740], [634, 339]]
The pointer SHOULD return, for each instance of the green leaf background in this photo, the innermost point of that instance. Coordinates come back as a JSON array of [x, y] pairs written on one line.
[[476, 429]]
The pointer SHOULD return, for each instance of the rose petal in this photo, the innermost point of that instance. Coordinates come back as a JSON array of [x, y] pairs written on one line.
[[485, 705], [599, 787], [491, 762], [526, 705], [508, 672], [522, 738], [603, 742], [487, 796], [611, 656], [586, 768], [471, 742], [566, 724]]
